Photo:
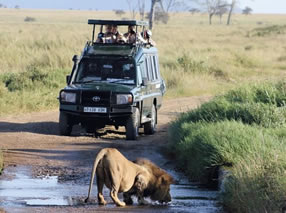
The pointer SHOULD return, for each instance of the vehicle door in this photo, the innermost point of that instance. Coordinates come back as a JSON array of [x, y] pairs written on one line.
[[156, 92], [145, 87]]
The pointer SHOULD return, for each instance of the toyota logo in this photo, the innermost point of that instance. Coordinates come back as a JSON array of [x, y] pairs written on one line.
[[96, 98]]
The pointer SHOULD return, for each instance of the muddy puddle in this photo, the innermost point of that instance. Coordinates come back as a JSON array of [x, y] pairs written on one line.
[[19, 189]]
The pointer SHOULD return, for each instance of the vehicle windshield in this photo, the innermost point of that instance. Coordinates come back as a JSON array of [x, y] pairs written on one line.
[[112, 70]]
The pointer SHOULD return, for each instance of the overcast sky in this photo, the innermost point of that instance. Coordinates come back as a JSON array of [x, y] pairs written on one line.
[[258, 6]]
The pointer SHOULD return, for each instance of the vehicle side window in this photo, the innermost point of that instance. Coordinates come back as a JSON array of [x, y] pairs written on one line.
[[155, 66], [139, 75], [150, 69], [147, 68]]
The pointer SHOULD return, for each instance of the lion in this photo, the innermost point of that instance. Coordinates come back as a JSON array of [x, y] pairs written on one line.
[[158, 188], [121, 175]]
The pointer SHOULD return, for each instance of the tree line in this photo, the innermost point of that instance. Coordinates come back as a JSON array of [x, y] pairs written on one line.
[[160, 9]]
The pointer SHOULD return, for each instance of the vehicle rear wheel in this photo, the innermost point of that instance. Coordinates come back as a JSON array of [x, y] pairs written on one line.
[[65, 125], [150, 127], [132, 125]]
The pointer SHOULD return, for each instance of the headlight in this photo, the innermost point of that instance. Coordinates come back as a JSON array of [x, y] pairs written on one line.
[[124, 99], [68, 97]]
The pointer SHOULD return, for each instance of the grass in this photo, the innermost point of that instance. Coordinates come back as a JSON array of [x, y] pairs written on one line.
[[243, 129], [195, 58]]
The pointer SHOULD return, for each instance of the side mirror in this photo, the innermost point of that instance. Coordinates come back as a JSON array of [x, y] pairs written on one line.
[[75, 58], [144, 81], [68, 78]]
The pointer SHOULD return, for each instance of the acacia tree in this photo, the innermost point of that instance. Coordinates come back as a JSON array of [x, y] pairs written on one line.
[[223, 9], [165, 5], [213, 7], [247, 11], [168, 5]]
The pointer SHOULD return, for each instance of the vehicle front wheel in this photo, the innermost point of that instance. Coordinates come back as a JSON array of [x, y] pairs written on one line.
[[65, 126], [132, 125], [151, 126]]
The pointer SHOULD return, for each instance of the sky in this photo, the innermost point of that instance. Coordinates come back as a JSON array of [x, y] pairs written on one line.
[[258, 6]]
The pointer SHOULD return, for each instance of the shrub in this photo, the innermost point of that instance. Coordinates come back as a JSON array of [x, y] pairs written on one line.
[[32, 90], [243, 129], [243, 61], [207, 144], [29, 79], [249, 113], [266, 31], [119, 12], [264, 93], [29, 19], [159, 16], [257, 184], [190, 65]]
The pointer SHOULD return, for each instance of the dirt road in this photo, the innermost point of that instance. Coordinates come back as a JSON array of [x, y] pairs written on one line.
[[34, 151]]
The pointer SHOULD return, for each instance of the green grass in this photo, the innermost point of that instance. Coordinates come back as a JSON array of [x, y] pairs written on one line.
[[33, 90], [243, 129]]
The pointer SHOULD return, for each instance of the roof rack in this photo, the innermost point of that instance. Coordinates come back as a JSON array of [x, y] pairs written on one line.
[[118, 22], [138, 24]]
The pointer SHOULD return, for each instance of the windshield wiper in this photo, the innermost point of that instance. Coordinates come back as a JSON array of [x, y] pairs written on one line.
[[120, 80], [84, 82]]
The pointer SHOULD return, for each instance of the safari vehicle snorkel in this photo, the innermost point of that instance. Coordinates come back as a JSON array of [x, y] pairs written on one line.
[[113, 83]]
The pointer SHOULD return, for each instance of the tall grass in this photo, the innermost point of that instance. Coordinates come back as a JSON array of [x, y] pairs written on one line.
[[244, 130], [33, 90], [195, 58]]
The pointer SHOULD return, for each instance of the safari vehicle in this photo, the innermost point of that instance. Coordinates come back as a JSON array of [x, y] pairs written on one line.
[[113, 84]]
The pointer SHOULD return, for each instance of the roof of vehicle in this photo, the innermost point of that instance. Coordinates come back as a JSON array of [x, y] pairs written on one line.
[[117, 22], [115, 49]]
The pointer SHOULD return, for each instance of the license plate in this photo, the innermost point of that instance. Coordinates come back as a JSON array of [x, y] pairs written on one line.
[[95, 109]]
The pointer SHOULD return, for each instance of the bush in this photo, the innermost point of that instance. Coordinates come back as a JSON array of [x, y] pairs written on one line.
[[262, 105], [32, 90], [266, 31], [29, 19], [204, 145], [119, 12], [257, 184], [159, 16], [249, 113], [274, 94], [243, 129], [190, 65], [29, 79]]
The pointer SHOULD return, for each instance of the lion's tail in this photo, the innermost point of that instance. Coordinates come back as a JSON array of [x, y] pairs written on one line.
[[99, 156]]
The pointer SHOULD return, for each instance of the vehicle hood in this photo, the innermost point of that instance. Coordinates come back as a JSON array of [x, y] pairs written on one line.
[[101, 86]]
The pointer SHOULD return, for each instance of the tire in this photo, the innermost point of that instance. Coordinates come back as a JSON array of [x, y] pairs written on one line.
[[65, 126], [90, 129], [132, 125], [151, 127]]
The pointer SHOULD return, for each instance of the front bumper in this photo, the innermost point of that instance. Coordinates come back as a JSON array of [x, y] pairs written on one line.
[[116, 111]]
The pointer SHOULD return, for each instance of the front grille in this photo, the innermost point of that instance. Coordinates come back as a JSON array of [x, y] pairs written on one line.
[[88, 98]]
